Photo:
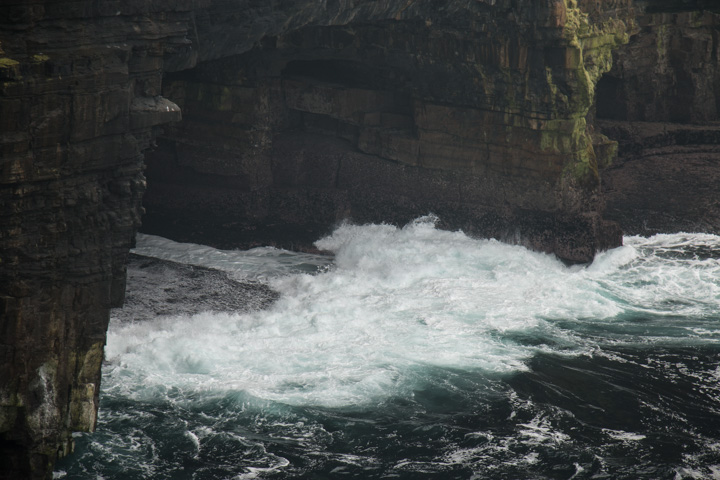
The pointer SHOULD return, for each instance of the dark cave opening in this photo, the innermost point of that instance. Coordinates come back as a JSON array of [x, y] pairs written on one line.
[[610, 100]]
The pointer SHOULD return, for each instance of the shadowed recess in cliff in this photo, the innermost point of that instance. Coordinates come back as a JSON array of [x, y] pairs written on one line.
[[386, 121], [660, 101]]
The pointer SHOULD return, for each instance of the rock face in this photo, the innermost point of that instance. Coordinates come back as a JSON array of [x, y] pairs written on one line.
[[661, 101], [161, 287], [473, 111], [299, 114], [78, 102]]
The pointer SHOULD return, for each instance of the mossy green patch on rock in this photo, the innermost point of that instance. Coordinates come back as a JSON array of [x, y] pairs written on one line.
[[9, 69], [595, 43], [570, 137]]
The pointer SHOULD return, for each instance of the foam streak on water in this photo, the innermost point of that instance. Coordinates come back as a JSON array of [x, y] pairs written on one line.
[[507, 359]]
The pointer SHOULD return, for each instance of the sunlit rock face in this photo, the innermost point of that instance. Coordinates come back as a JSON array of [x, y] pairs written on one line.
[[294, 115]]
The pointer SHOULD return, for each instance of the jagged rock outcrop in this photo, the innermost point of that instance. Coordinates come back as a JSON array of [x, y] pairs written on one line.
[[295, 115]]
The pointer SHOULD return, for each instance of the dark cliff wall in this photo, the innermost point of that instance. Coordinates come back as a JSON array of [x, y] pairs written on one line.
[[474, 111], [295, 115], [77, 107], [661, 102]]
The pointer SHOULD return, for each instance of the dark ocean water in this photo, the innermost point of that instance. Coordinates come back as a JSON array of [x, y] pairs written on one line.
[[416, 353]]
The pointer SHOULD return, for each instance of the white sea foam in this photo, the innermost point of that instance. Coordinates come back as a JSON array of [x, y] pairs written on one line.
[[261, 263], [539, 430], [624, 436], [394, 302]]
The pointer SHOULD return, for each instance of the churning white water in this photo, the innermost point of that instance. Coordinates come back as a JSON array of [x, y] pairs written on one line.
[[419, 353], [397, 300]]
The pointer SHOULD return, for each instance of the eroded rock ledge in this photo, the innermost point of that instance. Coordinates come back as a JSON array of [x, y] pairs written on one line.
[[294, 115]]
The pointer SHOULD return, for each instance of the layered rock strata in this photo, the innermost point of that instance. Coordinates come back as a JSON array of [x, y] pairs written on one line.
[[79, 97], [296, 114], [661, 101], [474, 111]]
